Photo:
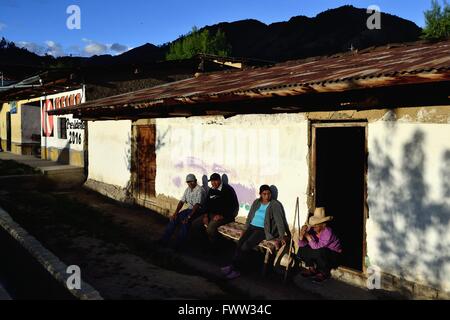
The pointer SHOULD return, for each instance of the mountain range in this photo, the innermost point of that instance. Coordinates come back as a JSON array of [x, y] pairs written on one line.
[[332, 31]]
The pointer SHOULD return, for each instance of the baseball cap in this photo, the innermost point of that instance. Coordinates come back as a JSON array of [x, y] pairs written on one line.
[[190, 177], [214, 176]]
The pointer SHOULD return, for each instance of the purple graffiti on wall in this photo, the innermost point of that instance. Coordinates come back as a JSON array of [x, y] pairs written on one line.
[[218, 168], [198, 164], [246, 195], [191, 163], [179, 165], [177, 181]]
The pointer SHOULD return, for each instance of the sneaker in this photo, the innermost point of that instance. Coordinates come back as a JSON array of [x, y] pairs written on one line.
[[309, 272], [321, 277], [233, 275], [226, 270]]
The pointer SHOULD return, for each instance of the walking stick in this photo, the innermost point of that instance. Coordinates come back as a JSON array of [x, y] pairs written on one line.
[[297, 212]]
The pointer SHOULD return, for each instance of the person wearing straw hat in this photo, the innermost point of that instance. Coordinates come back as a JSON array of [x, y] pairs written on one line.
[[319, 247], [265, 221]]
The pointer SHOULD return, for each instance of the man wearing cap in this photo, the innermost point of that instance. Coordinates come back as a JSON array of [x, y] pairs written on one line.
[[319, 247], [194, 197], [221, 207]]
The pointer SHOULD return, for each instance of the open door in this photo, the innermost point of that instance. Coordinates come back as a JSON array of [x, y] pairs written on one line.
[[146, 160], [340, 165], [8, 131]]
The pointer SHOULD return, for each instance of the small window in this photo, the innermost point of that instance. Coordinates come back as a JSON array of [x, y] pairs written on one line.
[[62, 125]]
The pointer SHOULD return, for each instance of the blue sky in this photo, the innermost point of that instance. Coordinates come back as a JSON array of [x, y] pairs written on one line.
[[115, 26]]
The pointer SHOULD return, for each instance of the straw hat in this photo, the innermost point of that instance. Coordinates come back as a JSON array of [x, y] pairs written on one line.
[[319, 217]]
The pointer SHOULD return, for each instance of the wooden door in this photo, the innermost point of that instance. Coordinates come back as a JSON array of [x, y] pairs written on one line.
[[146, 160]]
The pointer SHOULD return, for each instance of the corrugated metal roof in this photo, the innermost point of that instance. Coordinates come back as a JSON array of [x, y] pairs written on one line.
[[420, 62], [45, 83]]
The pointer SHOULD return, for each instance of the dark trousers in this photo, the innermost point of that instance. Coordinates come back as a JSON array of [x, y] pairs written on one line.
[[211, 230], [324, 258], [250, 239], [172, 225]]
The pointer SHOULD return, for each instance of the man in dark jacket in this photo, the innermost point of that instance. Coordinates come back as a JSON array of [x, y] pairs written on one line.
[[221, 207]]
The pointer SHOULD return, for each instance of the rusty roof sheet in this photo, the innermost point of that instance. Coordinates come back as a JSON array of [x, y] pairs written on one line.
[[383, 66]]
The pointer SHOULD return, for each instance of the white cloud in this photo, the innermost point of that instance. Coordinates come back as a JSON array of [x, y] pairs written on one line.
[[54, 49], [89, 49], [2, 26], [95, 49], [51, 48]]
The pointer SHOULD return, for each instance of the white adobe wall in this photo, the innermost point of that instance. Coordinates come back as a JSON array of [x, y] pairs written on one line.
[[408, 231], [250, 149], [110, 152]]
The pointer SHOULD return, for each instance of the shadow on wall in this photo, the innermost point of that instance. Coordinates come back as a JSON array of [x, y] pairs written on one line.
[[445, 174], [274, 191], [246, 195], [64, 154], [130, 164], [205, 183], [412, 228], [160, 140]]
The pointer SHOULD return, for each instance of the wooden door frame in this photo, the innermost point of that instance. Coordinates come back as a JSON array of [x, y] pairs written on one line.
[[312, 126]]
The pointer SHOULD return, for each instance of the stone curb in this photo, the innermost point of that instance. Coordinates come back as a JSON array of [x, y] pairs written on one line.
[[48, 260]]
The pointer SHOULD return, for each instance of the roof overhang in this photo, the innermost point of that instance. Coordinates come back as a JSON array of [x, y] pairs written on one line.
[[373, 92]]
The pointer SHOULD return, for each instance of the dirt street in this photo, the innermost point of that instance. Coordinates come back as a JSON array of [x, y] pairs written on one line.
[[115, 247]]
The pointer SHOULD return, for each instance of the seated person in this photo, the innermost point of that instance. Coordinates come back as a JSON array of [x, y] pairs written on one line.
[[319, 246], [265, 221], [194, 196], [221, 207]]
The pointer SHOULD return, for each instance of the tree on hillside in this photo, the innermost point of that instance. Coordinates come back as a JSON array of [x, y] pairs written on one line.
[[219, 45], [4, 44], [437, 21], [196, 42]]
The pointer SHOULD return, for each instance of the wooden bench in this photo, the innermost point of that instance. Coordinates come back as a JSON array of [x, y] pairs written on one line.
[[234, 231]]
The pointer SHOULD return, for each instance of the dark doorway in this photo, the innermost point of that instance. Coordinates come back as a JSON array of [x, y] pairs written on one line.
[[339, 186], [8, 131], [146, 160]]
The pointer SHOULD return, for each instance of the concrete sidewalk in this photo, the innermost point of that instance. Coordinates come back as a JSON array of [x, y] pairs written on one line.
[[46, 167]]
